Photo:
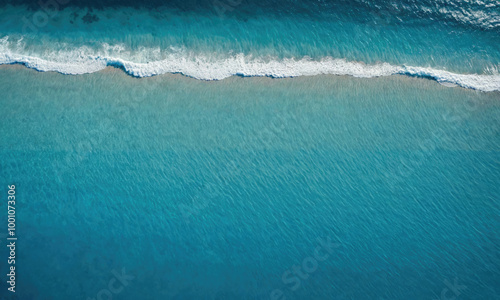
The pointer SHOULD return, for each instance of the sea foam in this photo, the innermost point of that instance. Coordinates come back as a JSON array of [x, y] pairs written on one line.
[[205, 67]]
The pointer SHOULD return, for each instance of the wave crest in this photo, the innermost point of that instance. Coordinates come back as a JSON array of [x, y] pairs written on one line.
[[210, 68]]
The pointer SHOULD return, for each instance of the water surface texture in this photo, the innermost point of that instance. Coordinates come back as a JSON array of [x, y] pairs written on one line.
[[231, 149], [214, 190], [456, 42]]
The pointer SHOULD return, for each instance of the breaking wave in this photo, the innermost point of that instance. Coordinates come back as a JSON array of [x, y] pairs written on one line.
[[205, 67]]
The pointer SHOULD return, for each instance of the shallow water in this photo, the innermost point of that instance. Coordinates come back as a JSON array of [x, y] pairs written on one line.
[[213, 190]]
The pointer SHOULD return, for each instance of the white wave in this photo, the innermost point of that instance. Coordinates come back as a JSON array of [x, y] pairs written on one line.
[[205, 68]]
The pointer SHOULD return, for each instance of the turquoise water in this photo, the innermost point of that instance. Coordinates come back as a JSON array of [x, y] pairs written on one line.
[[280, 39], [214, 189], [154, 158]]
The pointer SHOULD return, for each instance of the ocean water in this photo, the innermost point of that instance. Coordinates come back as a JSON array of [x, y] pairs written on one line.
[[213, 190], [237, 150], [455, 42]]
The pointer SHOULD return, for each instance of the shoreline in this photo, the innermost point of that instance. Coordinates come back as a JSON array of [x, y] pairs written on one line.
[[118, 71]]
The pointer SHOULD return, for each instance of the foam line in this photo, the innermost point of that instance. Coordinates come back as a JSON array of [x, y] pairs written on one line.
[[204, 68]]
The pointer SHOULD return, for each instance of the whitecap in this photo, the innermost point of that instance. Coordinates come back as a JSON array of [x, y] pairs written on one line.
[[206, 67]]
